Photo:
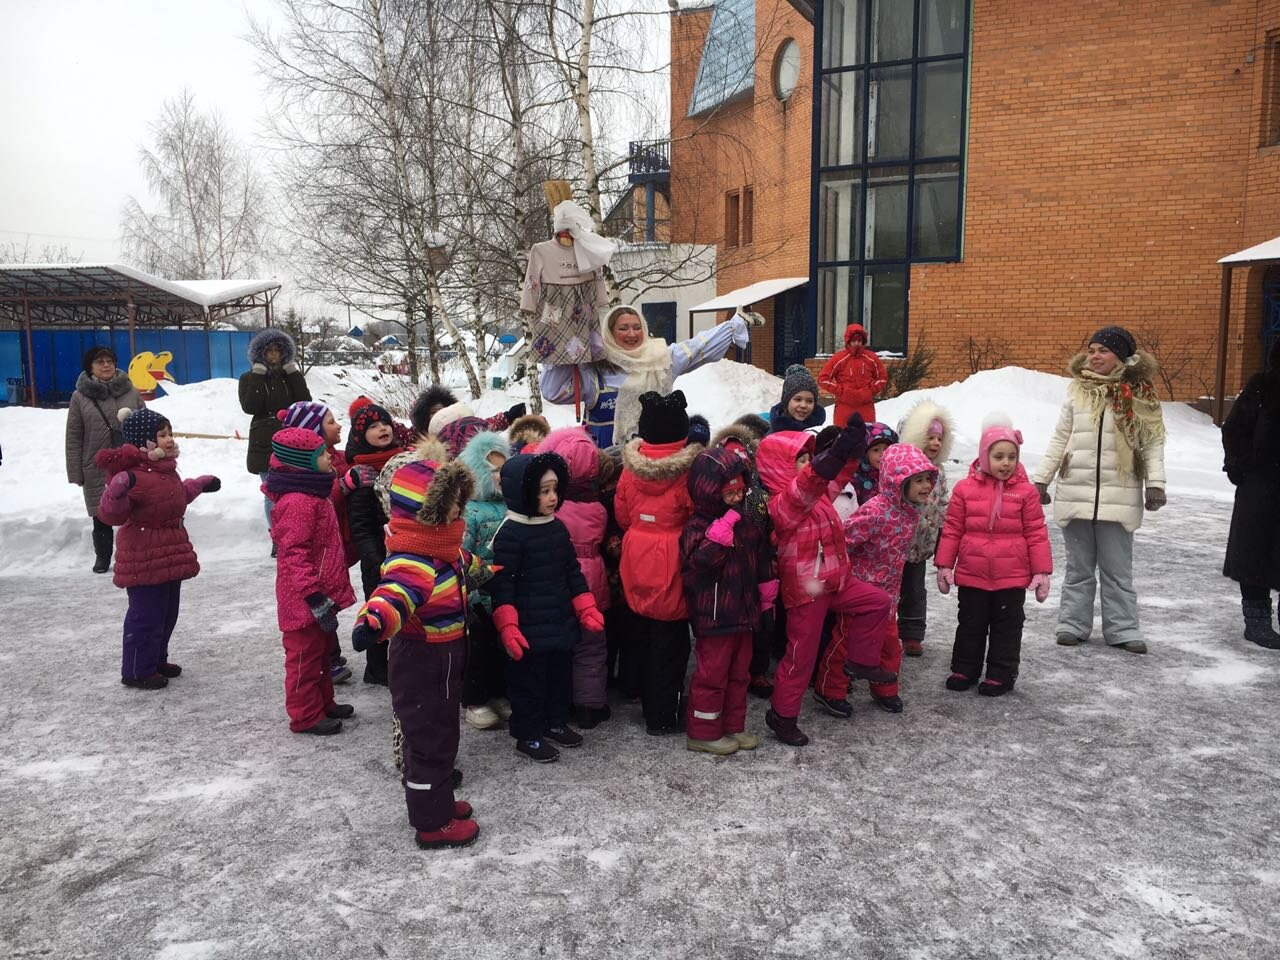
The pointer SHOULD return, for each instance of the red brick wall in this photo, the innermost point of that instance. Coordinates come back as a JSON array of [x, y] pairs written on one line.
[[1108, 159], [756, 142]]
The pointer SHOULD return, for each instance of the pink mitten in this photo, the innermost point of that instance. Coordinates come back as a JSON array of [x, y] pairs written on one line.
[[768, 594], [721, 531], [588, 614], [507, 621], [1040, 584], [945, 580]]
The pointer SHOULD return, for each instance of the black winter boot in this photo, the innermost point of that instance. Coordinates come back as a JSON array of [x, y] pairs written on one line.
[[785, 729], [103, 544], [1257, 624]]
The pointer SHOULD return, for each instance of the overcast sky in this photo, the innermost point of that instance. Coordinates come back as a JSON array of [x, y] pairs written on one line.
[[80, 81]]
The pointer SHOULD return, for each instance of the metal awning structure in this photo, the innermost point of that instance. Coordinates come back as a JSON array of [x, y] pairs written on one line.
[[746, 296], [106, 294], [1261, 254]]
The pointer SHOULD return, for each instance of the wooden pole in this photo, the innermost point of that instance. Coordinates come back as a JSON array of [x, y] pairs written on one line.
[[133, 350], [31, 355], [1224, 318]]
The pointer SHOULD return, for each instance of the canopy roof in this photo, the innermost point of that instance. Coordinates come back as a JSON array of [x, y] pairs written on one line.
[[1268, 250], [745, 296], [91, 294]]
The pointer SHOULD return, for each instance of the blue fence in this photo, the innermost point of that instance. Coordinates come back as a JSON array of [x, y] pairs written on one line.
[[197, 355]]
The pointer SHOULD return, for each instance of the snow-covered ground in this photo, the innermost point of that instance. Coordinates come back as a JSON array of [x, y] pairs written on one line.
[[1112, 806]]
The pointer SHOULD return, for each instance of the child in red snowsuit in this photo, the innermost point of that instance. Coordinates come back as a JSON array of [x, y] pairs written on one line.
[[419, 610], [146, 498], [854, 376], [726, 571], [311, 577], [995, 513], [813, 567], [878, 535]]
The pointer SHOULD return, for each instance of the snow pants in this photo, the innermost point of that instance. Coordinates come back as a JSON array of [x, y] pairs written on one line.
[[482, 675], [539, 687], [590, 672], [148, 625], [862, 612], [718, 690], [831, 680], [426, 689], [308, 682], [989, 626], [664, 650], [622, 655], [913, 606], [1101, 550]]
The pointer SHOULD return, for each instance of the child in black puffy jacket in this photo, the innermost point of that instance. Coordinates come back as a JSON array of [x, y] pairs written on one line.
[[540, 601]]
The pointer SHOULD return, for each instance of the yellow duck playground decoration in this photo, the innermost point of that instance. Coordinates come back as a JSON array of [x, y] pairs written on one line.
[[147, 369]]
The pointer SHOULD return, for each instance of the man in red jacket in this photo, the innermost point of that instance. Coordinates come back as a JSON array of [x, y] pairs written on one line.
[[854, 376]]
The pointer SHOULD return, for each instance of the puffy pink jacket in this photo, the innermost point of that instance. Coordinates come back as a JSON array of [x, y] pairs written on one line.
[[152, 546], [586, 519], [994, 534], [880, 532], [309, 557], [812, 556]]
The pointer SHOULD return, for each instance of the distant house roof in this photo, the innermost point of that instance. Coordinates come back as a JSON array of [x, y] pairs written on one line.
[[728, 66], [95, 293]]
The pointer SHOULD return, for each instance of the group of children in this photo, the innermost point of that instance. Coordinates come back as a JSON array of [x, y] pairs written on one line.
[[491, 552]]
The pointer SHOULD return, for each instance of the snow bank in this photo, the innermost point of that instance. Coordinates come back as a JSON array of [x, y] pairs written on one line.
[[43, 521]]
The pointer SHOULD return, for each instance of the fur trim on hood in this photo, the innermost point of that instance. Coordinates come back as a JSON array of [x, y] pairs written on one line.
[[451, 483], [1142, 366], [428, 448], [913, 428], [755, 423], [740, 432], [664, 468], [531, 428], [268, 337], [434, 396], [474, 457]]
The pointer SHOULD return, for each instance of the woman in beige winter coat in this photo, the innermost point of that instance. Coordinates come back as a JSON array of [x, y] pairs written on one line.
[[92, 425], [1108, 455]]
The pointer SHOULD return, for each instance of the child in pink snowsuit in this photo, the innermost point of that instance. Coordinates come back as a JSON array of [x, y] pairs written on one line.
[[813, 567], [312, 584], [995, 514], [878, 535]]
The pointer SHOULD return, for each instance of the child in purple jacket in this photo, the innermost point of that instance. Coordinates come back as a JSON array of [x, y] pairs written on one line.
[[726, 573]]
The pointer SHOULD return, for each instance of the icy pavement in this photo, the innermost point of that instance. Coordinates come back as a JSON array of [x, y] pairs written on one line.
[[1113, 806]]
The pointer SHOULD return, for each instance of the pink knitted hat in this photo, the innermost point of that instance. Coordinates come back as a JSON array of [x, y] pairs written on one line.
[[995, 427]]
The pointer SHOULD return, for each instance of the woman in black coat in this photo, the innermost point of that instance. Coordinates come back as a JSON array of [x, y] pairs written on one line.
[[1251, 443]]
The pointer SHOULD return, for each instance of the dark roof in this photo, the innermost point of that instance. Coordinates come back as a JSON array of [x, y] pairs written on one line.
[[84, 294]]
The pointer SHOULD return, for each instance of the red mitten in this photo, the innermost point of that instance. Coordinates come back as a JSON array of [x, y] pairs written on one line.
[[589, 615], [507, 621], [1040, 585]]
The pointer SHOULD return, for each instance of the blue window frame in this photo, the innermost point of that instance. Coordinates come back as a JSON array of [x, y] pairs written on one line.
[[888, 145]]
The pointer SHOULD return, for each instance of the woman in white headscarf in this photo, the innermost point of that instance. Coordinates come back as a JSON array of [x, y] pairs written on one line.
[[633, 363]]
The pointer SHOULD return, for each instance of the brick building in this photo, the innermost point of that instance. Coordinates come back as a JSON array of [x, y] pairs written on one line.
[[997, 178]]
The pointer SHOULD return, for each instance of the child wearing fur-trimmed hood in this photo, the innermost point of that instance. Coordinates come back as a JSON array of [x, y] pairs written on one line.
[[928, 427]]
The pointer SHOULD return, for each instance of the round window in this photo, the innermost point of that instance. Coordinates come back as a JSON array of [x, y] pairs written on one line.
[[786, 69]]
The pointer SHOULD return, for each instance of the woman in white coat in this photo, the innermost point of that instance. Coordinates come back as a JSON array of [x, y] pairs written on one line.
[[1108, 454]]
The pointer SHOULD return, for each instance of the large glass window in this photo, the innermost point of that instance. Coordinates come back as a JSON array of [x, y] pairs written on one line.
[[889, 189]]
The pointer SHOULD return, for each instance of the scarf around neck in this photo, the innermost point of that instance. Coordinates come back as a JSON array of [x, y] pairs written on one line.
[[441, 542], [375, 458], [1133, 403], [310, 482], [648, 367]]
